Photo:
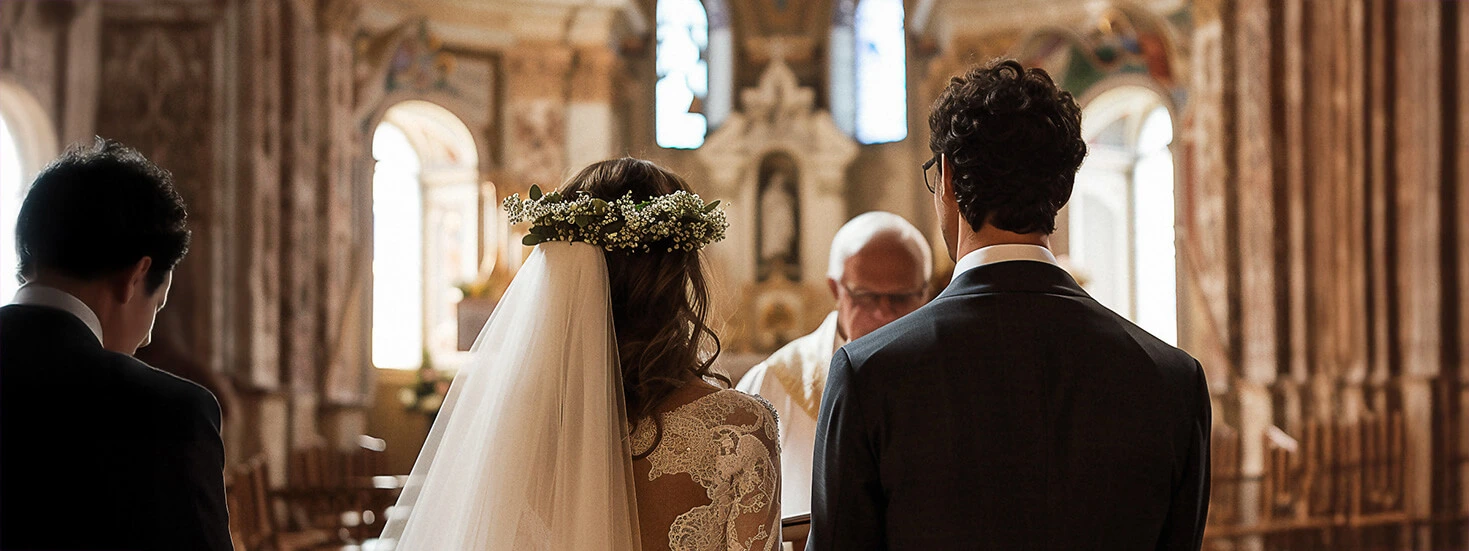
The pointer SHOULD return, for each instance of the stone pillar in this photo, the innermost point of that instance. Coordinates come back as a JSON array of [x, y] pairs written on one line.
[[344, 208], [251, 289], [1204, 225], [1461, 209], [1207, 238], [301, 286], [1417, 173], [593, 134], [1256, 54]]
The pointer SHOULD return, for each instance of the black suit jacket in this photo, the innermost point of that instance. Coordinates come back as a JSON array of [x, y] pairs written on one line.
[[97, 449], [1012, 412]]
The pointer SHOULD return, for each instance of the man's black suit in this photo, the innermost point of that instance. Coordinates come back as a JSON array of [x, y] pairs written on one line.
[[97, 449], [1012, 412]]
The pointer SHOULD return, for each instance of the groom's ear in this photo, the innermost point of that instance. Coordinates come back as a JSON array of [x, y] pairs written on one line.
[[946, 179], [132, 283]]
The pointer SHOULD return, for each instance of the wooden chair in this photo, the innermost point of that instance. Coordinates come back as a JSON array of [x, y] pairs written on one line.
[[343, 492], [252, 524], [795, 530]]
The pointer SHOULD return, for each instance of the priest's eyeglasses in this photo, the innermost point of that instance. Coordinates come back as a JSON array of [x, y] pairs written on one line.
[[866, 299]]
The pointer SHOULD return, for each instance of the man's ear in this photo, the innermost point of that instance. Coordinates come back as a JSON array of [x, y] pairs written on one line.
[[133, 283], [946, 180], [832, 284]]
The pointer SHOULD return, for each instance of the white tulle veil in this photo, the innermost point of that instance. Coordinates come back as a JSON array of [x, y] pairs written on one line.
[[530, 449]]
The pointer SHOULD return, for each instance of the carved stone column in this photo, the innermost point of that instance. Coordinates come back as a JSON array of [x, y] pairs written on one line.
[[345, 260], [252, 288], [1461, 209], [1419, 232], [301, 287], [1256, 51], [1208, 241]]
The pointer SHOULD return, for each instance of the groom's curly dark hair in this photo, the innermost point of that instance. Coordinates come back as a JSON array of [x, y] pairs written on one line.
[[100, 208], [1014, 140], [660, 299]]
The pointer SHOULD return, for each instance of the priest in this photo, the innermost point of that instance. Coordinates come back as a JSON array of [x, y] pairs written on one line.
[[878, 272]]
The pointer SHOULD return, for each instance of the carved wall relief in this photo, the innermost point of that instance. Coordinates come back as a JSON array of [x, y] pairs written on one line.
[[158, 99]]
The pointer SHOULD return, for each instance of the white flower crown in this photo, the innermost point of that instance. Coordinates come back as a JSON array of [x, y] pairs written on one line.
[[676, 221]]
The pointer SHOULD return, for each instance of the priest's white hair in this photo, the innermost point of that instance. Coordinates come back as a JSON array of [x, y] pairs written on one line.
[[860, 231]]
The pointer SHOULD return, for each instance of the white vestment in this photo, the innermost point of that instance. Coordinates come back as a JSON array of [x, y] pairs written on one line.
[[792, 379]]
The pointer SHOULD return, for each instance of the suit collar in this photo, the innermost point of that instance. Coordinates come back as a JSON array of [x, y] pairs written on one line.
[[51, 297], [1017, 276], [51, 321], [1003, 253]]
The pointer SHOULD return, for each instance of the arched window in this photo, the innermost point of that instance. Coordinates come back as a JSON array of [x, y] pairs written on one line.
[[695, 71], [683, 73], [397, 251], [12, 190], [1121, 214], [428, 233], [868, 74], [27, 142]]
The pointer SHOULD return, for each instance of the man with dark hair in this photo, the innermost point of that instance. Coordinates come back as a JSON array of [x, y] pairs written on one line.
[[1013, 411], [97, 449]]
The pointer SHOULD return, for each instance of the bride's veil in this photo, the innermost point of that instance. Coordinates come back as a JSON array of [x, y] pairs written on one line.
[[530, 449]]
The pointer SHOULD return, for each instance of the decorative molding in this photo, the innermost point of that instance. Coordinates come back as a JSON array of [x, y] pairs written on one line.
[[538, 70], [787, 48]]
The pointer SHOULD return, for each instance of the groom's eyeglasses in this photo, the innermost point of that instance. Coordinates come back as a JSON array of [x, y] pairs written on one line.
[[866, 300], [930, 181]]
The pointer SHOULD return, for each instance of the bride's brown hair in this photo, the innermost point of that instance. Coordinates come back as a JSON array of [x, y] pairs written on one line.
[[660, 299]]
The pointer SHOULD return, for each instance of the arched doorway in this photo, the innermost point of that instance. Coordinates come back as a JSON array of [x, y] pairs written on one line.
[[1121, 215], [428, 233]]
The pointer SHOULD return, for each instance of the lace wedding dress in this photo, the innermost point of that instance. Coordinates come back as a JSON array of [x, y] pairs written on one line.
[[532, 452], [719, 450]]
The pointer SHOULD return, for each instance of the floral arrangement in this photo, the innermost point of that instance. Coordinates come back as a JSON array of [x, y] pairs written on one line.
[[676, 221], [426, 394]]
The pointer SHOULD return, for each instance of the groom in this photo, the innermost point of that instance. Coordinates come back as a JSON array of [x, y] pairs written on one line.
[[1013, 411], [97, 449]]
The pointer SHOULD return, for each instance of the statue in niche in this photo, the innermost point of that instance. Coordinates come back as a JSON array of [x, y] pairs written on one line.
[[777, 248]]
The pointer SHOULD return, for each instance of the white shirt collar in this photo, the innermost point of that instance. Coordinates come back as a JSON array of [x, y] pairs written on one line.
[[51, 297], [1003, 253]]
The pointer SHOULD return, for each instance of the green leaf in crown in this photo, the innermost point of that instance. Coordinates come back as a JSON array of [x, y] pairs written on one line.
[[676, 221]]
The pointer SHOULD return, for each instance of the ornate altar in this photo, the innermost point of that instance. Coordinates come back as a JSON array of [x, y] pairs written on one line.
[[780, 164]]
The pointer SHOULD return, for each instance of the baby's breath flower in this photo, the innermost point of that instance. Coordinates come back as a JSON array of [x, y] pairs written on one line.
[[676, 221]]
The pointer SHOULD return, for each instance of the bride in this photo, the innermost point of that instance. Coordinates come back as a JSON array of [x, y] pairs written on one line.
[[585, 418]]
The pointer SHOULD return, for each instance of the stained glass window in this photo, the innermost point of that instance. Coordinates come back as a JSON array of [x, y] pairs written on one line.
[[683, 73], [881, 65]]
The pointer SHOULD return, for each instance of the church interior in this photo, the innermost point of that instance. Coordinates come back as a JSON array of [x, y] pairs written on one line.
[[1279, 187]]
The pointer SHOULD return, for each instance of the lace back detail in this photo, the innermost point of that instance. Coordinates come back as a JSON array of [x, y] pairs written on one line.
[[727, 443]]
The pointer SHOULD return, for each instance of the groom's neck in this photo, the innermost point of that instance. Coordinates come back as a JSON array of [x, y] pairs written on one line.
[[970, 240]]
